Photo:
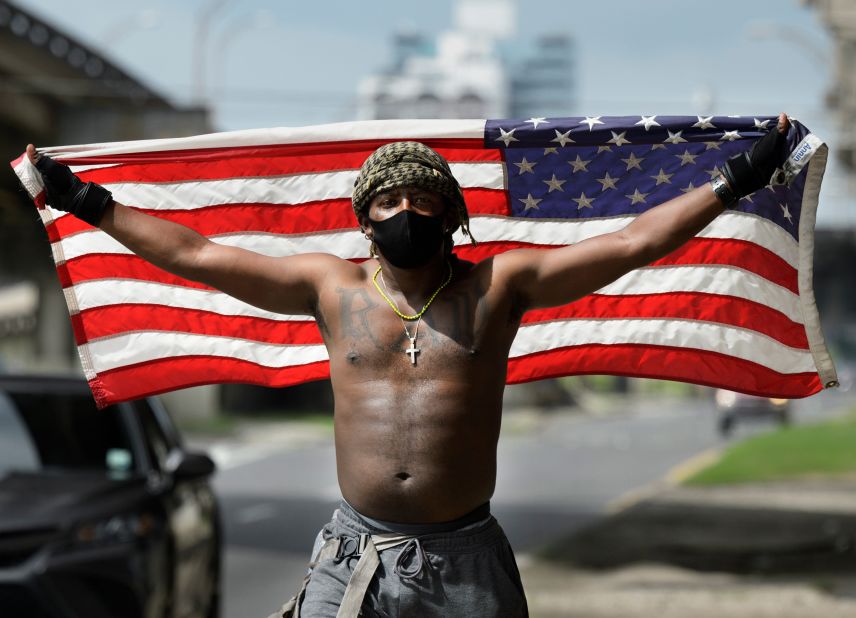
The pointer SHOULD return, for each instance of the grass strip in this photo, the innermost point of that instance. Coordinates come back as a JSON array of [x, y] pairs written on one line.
[[827, 448]]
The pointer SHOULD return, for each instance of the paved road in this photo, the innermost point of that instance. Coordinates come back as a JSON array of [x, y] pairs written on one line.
[[555, 473]]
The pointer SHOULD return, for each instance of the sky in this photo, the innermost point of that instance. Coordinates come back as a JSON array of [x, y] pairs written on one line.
[[290, 63]]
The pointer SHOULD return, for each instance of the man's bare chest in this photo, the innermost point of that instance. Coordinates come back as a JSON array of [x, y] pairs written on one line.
[[461, 328]]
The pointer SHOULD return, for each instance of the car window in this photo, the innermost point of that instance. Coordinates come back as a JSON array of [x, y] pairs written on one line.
[[16, 449], [61, 431], [157, 442]]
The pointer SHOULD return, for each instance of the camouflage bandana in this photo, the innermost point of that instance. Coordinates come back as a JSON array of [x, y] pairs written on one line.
[[412, 164]]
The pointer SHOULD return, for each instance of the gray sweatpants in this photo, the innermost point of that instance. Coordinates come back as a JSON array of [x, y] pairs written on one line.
[[457, 569]]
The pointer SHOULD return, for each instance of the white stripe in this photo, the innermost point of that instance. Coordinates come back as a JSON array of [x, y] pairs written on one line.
[[139, 347], [29, 177], [85, 168], [292, 189], [662, 279], [557, 232], [392, 130], [741, 343], [107, 292], [722, 280], [736, 225], [113, 352]]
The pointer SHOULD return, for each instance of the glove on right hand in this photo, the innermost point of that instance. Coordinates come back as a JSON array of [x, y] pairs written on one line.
[[67, 192]]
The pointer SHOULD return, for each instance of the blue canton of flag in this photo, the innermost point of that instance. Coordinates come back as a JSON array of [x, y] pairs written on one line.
[[592, 167]]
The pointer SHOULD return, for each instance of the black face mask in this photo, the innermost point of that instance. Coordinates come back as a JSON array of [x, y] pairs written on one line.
[[408, 239]]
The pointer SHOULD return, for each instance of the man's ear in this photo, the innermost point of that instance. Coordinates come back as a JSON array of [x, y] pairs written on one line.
[[365, 225]]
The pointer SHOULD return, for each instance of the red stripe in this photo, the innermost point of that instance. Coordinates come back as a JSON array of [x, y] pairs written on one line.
[[318, 216], [663, 363], [682, 306], [159, 376], [451, 146], [698, 251], [266, 163], [118, 319], [694, 366]]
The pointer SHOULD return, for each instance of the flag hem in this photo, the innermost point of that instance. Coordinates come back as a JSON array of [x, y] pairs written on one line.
[[811, 318]]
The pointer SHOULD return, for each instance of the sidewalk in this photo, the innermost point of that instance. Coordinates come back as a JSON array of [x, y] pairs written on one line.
[[775, 549]]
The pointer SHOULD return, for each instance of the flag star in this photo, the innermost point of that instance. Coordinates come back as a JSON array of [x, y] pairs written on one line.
[[591, 121], [761, 125], [749, 199], [554, 183], [583, 201], [786, 213], [529, 203], [607, 182], [604, 148], [730, 136], [636, 197], [536, 121], [551, 151], [632, 162], [704, 123], [714, 172], [674, 138], [562, 138], [618, 139], [648, 121], [711, 146], [579, 164], [687, 158], [688, 188], [662, 178], [506, 137], [526, 166], [658, 146]]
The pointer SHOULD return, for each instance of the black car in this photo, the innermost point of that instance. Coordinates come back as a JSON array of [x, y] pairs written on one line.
[[734, 407], [103, 513]]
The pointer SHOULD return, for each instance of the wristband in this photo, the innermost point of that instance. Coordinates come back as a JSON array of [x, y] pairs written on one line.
[[723, 192]]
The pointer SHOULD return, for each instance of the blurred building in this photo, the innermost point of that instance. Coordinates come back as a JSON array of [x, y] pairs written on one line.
[[58, 90], [840, 18], [472, 72]]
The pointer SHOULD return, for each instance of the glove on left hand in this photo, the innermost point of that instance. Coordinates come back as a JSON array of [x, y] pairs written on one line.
[[67, 192]]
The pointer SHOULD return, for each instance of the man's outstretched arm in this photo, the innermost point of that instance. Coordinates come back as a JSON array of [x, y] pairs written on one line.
[[555, 277], [284, 285]]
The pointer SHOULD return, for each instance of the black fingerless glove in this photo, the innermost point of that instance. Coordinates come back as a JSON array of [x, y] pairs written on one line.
[[67, 192], [749, 171]]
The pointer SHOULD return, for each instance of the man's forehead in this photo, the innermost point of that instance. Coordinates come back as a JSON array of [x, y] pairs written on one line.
[[408, 189]]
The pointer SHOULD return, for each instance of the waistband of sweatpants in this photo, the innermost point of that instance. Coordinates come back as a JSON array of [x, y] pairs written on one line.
[[469, 532]]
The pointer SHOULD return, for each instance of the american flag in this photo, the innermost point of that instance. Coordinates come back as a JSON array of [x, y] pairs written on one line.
[[733, 308]]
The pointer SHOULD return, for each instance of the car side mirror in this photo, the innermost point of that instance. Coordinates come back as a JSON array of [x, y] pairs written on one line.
[[191, 466]]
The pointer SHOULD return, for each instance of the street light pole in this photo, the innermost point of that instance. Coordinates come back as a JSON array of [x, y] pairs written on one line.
[[200, 40]]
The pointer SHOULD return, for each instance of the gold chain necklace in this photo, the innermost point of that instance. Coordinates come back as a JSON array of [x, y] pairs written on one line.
[[415, 316], [412, 350]]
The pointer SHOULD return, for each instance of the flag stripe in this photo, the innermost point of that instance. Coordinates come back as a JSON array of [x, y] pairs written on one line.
[[649, 280], [351, 243], [697, 366], [166, 374], [110, 320], [698, 251], [267, 161], [139, 347], [321, 216]]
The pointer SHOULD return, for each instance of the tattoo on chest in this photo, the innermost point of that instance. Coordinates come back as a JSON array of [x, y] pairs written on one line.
[[458, 318], [355, 305]]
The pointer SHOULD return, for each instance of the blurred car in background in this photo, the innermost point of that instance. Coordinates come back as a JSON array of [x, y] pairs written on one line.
[[103, 513], [736, 407]]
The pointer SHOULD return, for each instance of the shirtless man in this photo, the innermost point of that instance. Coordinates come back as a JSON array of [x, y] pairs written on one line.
[[418, 343]]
